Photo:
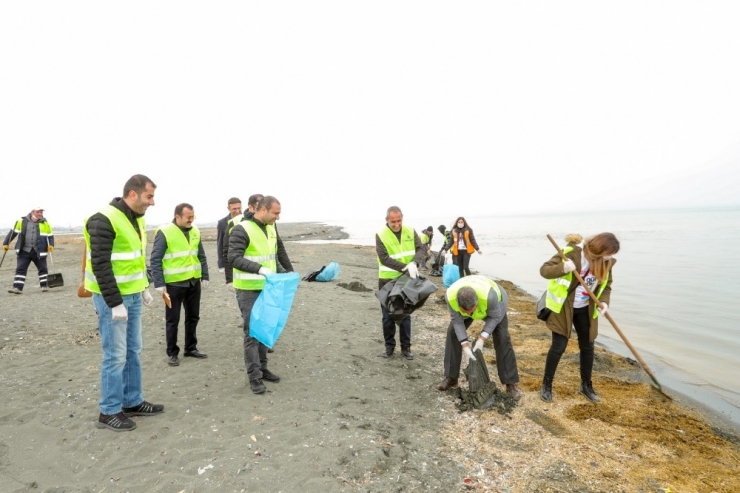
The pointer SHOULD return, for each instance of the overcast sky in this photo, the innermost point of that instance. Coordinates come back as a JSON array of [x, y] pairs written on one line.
[[343, 108]]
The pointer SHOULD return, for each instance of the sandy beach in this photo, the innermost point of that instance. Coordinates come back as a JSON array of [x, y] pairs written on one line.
[[342, 419]]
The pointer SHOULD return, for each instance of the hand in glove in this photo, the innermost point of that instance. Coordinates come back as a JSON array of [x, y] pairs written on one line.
[[119, 312], [221, 270], [147, 297], [204, 284], [6, 248], [50, 248], [160, 290], [264, 271], [467, 351], [411, 269], [603, 308], [478, 344], [568, 266], [230, 286]]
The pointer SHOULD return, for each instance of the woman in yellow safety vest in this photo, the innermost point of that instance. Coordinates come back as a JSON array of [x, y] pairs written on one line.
[[571, 307]]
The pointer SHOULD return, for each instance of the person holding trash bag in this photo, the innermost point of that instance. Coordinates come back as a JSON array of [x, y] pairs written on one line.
[[571, 306], [399, 249], [255, 248], [463, 245], [180, 271], [115, 272], [35, 242], [479, 298]]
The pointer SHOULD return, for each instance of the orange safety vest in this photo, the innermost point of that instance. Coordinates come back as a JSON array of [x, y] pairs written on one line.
[[468, 246]]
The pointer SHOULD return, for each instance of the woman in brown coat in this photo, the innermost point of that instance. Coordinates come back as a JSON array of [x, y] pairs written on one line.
[[594, 262]]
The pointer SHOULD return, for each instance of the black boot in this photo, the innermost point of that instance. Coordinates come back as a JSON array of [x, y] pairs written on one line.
[[546, 390], [587, 389]]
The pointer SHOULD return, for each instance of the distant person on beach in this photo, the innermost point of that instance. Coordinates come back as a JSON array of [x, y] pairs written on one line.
[[463, 245], [399, 250], [446, 241], [255, 248], [180, 270], [571, 306], [35, 242], [234, 206], [479, 298], [115, 272], [426, 240]]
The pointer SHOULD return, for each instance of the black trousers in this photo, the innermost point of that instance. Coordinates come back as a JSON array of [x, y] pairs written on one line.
[[389, 330], [463, 262], [505, 357], [582, 324], [187, 297], [21, 269]]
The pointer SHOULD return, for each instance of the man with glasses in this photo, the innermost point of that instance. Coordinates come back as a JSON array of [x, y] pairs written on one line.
[[180, 270]]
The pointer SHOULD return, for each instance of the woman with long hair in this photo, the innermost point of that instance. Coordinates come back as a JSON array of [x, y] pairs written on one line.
[[571, 306], [463, 245]]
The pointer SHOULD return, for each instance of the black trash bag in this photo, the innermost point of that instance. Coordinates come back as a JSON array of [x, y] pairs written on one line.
[[402, 296], [438, 265], [483, 393], [311, 276]]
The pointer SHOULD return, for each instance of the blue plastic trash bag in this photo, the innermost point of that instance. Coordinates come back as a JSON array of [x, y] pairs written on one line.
[[450, 274], [270, 311], [329, 272]]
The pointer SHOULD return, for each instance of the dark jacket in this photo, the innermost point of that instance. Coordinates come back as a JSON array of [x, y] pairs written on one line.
[[102, 235], [385, 259], [220, 236], [228, 269], [43, 242], [160, 248], [238, 243], [562, 323]]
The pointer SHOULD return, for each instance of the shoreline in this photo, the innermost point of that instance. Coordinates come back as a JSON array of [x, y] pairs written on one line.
[[342, 419]]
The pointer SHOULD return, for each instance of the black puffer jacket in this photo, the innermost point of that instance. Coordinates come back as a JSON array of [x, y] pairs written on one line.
[[102, 236]]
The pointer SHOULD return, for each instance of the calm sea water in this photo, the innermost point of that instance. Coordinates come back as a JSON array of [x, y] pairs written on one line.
[[674, 294]]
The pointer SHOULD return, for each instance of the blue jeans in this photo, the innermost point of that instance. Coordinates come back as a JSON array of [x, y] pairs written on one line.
[[120, 378]]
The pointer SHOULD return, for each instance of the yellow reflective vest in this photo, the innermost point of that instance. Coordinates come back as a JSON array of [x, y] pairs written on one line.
[[557, 289], [482, 286], [402, 251], [128, 259], [261, 249], [180, 262]]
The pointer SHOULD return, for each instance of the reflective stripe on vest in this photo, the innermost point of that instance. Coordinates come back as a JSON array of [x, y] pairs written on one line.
[[180, 262], [263, 250], [44, 231], [482, 286], [127, 258], [402, 251], [557, 289]]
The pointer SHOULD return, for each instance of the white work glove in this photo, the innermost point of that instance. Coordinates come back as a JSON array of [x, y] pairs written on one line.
[[204, 284], [603, 308], [478, 344], [568, 266], [230, 286], [466, 350], [264, 271], [119, 312], [147, 297], [160, 291], [221, 270], [411, 269]]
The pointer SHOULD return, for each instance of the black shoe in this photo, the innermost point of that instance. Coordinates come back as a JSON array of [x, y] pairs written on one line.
[[407, 353], [587, 389], [270, 350], [257, 386], [173, 361], [115, 422], [270, 376], [144, 409], [546, 390], [388, 352], [195, 354]]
